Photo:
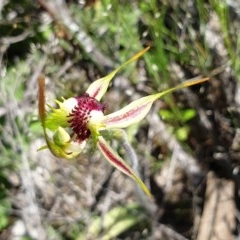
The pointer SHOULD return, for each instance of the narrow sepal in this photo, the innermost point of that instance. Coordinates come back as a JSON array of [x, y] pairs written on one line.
[[138, 109], [119, 163], [99, 87]]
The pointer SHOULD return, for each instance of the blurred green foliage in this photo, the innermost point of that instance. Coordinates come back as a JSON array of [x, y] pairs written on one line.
[[179, 119]]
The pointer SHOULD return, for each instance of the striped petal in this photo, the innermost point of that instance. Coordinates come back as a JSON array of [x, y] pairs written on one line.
[[119, 163], [99, 87], [138, 109]]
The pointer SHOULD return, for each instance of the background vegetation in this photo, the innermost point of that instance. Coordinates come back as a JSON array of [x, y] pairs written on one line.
[[188, 146]]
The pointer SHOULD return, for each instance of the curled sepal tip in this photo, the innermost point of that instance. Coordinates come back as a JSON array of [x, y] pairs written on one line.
[[184, 84], [41, 99], [120, 164]]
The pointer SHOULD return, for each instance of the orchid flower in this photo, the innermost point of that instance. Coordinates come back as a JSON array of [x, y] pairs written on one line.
[[68, 127]]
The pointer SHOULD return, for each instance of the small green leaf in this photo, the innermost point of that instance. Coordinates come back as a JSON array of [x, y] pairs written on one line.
[[182, 133], [188, 114], [181, 115], [166, 114]]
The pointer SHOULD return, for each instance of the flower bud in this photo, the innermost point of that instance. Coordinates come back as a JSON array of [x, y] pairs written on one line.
[[61, 137]]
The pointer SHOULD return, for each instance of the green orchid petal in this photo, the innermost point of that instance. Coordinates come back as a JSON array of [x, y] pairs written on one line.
[[59, 116], [99, 87], [119, 163], [138, 109]]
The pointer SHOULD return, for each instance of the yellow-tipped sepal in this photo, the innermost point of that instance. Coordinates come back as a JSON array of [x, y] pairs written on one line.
[[120, 164], [99, 87], [138, 109]]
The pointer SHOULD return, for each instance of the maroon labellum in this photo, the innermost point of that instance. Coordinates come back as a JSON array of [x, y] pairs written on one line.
[[81, 114]]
